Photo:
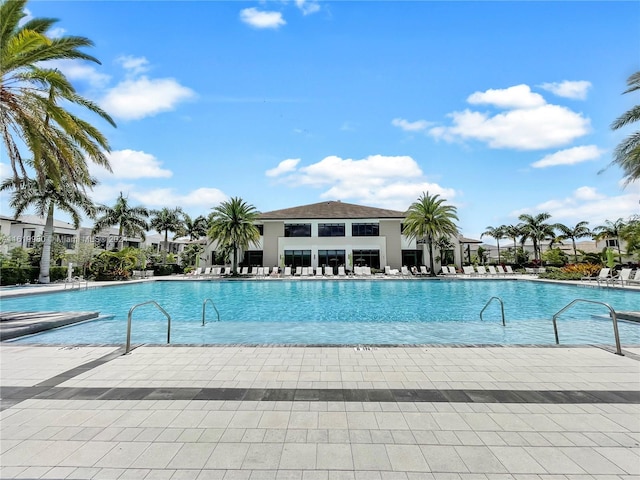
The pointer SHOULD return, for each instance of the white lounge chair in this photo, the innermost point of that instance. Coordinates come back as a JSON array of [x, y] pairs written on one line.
[[405, 271], [275, 271], [602, 276], [342, 272], [509, 270], [500, 270], [424, 270], [491, 271], [623, 276], [328, 271], [390, 271], [468, 271], [635, 279], [287, 272], [482, 271], [244, 271]]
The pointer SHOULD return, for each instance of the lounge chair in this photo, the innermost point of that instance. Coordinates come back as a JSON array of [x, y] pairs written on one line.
[[275, 271], [405, 271], [319, 272], [328, 271], [424, 270], [287, 272], [390, 271], [602, 276], [197, 272], [634, 279], [244, 271], [500, 270], [491, 271], [468, 271], [342, 272], [207, 272], [622, 276], [482, 271], [136, 274], [509, 270]]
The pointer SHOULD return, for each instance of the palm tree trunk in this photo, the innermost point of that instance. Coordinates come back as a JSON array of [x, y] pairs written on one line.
[[45, 259], [120, 239], [575, 250], [498, 242], [433, 272], [234, 268], [166, 246]]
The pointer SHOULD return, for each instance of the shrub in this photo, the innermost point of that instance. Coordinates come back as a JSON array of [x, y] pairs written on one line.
[[18, 275]]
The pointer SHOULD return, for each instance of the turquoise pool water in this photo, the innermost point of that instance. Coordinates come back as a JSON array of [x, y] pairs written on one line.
[[338, 312]]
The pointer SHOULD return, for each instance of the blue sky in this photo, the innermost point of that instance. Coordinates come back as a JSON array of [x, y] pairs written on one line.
[[501, 108]]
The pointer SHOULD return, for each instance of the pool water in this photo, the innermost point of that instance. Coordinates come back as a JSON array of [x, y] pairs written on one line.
[[338, 312]]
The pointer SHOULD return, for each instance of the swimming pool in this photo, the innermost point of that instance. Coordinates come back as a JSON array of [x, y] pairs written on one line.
[[338, 312]]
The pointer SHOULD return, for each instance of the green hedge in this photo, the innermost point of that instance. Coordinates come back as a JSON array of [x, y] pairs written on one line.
[[18, 275]]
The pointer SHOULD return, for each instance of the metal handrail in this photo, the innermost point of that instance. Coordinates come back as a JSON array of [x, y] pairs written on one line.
[[76, 281], [204, 304], [127, 348], [501, 309], [613, 317]]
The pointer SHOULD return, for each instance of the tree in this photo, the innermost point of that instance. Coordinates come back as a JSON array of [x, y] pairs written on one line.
[[194, 228], [496, 233], [630, 233], [627, 153], [534, 228], [167, 220], [428, 218], [610, 230], [513, 232], [131, 221], [60, 141], [445, 247], [568, 233], [232, 226], [46, 198]]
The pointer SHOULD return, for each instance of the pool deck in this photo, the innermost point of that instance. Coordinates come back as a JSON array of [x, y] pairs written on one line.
[[319, 413]]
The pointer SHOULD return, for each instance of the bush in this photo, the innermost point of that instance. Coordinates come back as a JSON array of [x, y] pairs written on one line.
[[18, 276], [571, 272]]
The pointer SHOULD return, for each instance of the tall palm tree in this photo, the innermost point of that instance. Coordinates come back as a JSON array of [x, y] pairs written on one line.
[[496, 233], [610, 230], [512, 232], [232, 225], [194, 228], [30, 114], [167, 220], [61, 195], [131, 221], [535, 228], [429, 218], [579, 231], [627, 153]]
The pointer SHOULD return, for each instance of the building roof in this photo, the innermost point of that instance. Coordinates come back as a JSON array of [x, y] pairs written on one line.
[[330, 210], [37, 220]]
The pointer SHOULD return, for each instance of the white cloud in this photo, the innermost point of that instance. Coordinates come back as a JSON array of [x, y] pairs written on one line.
[[569, 156], [167, 197], [262, 19], [385, 181], [134, 65], [76, 70], [5, 171], [143, 97], [56, 32], [407, 126], [586, 203], [131, 164], [308, 7], [518, 96], [569, 89], [285, 166], [106, 194], [546, 126]]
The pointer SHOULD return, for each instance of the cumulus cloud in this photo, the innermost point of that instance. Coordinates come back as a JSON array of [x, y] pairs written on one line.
[[131, 164], [167, 197], [576, 90], [407, 126], [569, 156], [134, 65], [134, 99], [385, 181], [285, 166], [307, 7], [5, 170], [518, 96], [529, 123], [587, 203], [262, 19], [75, 70]]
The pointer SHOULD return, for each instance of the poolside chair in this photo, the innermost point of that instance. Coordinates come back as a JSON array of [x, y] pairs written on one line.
[[287, 272], [136, 274], [509, 270], [275, 271], [424, 270], [468, 271], [319, 272], [622, 276], [197, 272], [328, 271], [635, 279], [500, 270], [207, 272], [482, 271], [391, 271], [603, 275], [405, 271], [491, 271], [342, 272]]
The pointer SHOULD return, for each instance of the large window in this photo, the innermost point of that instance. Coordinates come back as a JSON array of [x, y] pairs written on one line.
[[260, 229], [331, 230], [365, 230], [297, 230], [412, 258], [252, 258], [612, 242], [297, 258], [366, 258], [331, 258]]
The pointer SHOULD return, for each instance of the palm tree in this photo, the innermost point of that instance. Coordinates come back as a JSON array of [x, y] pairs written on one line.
[[232, 225], [194, 228], [167, 220], [28, 106], [630, 233], [131, 221], [533, 227], [497, 233], [430, 218], [579, 231], [627, 153], [63, 195], [610, 230]]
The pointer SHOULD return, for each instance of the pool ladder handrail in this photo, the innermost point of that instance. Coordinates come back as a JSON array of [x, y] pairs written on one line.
[[204, 304], [501, 309], [150, 302], [614, 318], [76, 281]]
